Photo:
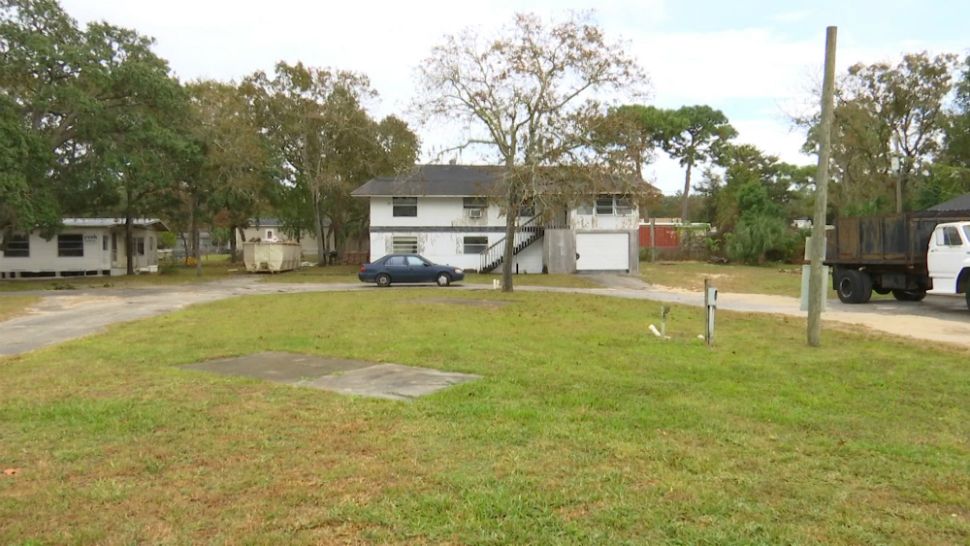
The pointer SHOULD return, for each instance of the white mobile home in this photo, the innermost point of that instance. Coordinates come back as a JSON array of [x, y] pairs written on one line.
[[84, 247], [443, 213]]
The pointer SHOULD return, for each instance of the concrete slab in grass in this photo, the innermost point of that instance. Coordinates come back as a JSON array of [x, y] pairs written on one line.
[[390, 381], [288, 368]]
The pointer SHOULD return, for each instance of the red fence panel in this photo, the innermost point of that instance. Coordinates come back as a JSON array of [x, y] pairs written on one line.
[[666, 237]]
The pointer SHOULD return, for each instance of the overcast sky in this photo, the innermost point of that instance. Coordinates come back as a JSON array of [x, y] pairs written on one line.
[[756, 61]]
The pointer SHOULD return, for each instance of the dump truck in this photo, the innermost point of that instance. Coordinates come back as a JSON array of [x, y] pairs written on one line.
[[906, 255]]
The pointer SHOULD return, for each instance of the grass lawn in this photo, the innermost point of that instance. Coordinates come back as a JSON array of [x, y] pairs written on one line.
[[777, 279], [315, 274], [563, 281], [213, 267], [11, 306], [348, 274], [584, 430]]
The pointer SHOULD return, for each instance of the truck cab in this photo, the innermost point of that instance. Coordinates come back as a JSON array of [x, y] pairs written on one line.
[[948, 258]]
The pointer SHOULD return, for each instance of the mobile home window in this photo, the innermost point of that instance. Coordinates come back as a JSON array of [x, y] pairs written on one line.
[[475, 244], [104, 242], [404, 245], [405, 206], [18, 246], [70, 245], [139, 246]]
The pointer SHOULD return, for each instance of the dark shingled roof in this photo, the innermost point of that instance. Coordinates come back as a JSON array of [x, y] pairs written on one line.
[[444, 180], [957, 204], [449, 180]]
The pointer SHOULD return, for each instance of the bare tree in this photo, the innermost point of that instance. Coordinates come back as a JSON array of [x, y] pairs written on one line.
[[528, 94]]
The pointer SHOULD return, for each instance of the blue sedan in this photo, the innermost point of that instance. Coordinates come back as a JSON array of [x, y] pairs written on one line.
[[408, 268]]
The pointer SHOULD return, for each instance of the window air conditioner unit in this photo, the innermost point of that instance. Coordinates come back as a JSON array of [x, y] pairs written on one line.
[[475, 213]]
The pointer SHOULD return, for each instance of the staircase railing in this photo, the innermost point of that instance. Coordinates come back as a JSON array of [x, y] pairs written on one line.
[[525, 234]]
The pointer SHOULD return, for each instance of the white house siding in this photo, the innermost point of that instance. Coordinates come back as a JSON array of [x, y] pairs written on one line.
[[146, 262], [44, 260], [441, 224], [440, 228], [43, 256]]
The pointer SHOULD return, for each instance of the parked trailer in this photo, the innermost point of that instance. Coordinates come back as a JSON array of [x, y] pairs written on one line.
[[271, 257], [903, 254]]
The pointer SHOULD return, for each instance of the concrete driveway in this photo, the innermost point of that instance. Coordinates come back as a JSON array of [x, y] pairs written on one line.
[[61, 316]]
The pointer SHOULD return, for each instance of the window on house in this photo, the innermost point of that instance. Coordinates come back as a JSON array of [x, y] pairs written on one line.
[[474, 207], [474, 244], [604, 205], [139, 246], [18, 246], [527, 209], [151, 243], [104, 242], [269, 234], [404, 245], [405, 206], [585, 208], [624, 206], [70, 245]]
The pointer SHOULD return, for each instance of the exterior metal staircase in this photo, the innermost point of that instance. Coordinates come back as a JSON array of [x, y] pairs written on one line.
[[525, 234]]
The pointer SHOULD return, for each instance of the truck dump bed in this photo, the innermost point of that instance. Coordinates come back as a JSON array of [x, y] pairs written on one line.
[[897, 239]]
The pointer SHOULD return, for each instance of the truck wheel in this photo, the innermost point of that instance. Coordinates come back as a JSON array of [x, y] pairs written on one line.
[[909, 295], [854, 286]]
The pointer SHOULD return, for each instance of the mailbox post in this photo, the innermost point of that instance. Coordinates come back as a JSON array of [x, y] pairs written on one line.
[[710, 306]]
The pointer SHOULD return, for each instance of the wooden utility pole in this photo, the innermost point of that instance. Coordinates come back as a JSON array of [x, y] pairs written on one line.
[[817, 249]]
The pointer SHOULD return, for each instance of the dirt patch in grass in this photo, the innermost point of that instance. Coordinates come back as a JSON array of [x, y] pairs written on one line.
[[12, 306]]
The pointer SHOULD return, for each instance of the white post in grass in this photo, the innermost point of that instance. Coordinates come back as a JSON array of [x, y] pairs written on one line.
[[710, 307]]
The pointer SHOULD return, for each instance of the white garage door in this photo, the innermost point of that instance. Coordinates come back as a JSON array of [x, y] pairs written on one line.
[[603, 251]]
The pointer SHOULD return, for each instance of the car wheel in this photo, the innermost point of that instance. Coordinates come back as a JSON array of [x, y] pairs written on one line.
[[854, 286], [444, 279], [909, 295], [383, 280]]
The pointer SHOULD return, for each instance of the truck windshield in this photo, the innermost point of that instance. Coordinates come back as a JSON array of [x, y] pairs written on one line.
[[966, 233]]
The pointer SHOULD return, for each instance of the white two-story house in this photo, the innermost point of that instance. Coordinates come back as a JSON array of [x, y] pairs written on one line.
[[443, 212]]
